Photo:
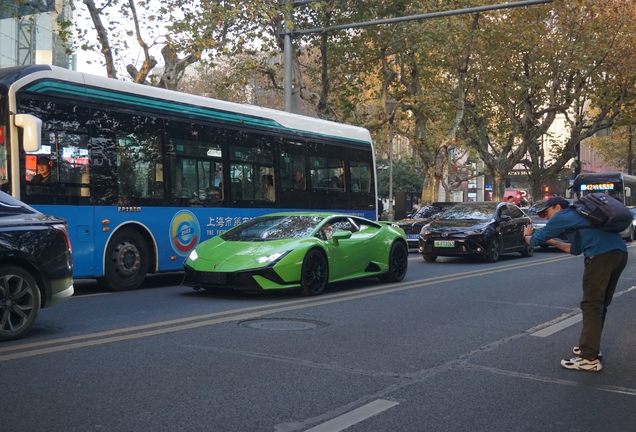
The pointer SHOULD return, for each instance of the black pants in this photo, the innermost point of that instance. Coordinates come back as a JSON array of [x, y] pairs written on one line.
[[599, 283]]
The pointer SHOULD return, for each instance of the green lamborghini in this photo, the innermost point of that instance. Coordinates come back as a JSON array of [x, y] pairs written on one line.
[[302, 251]]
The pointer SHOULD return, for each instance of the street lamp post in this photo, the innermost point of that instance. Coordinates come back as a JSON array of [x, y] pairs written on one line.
[[390, 112]]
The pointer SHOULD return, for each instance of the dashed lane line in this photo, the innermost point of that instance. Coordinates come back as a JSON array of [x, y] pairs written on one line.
[[356, 416]]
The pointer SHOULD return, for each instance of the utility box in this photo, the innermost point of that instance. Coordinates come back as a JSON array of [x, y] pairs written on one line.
[[399, 211]]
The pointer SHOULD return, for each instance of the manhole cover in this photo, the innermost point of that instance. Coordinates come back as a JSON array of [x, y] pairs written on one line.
[[282, 324]]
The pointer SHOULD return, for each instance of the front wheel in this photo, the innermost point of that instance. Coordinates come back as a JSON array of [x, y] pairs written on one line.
[[527, 251], [19, 302], [398, 263], [493, 250], [126, 263], [314, 273]]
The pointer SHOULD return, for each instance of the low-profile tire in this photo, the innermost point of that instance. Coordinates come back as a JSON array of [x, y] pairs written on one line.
[[19, 302], [430, 258], [398, 263], [527, 251], [126, 263], [493, 250], [314, 274]]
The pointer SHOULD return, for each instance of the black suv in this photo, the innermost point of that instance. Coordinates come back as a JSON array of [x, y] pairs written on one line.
[[414, 222], [36, 266]]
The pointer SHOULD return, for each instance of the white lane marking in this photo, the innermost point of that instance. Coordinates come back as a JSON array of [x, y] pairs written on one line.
[[90, 295], [356, 416], [558, 326]]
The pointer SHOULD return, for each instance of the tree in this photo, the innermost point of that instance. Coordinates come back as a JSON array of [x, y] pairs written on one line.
[[540, 62]]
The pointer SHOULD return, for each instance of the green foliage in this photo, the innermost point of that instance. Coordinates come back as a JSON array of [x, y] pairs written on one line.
[[407, 176]]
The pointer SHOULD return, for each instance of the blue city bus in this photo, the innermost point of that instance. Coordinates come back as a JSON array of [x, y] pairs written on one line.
[[619, 185], [616, 184], [143, 174]]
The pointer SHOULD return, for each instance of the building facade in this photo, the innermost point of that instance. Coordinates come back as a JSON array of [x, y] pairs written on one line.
[[29, 33]]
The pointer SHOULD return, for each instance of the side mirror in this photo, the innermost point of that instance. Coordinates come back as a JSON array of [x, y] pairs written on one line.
[[340, 235], [32, 127], [504, 218], [628, 191]]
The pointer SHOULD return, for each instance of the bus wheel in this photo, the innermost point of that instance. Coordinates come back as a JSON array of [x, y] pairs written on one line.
[[126, 262], [19, 302]]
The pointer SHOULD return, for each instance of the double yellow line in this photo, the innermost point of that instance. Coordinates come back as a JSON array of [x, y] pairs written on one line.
[[171, 326]]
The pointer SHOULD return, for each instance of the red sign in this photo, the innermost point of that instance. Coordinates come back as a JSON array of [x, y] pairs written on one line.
[[1, 135]]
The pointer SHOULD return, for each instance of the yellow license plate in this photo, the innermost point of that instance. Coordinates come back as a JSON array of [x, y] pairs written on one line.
[[444, 243]]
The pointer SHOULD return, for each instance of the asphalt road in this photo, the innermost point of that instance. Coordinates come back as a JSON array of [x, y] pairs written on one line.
[[459, 345]]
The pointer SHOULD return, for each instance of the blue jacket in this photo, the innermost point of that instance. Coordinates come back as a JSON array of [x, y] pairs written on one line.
[[586, 240]]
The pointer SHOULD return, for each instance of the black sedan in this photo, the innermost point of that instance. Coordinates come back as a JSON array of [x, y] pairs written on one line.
[[477, 229], [413, 224], [36, 266]]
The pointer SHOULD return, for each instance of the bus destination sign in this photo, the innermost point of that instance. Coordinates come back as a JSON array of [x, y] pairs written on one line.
[[598, 187]]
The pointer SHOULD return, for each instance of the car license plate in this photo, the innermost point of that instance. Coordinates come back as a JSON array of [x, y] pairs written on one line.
[[412, 236], [216, 278], [444, 243]]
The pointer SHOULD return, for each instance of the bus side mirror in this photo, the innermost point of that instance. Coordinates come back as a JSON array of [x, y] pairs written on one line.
[[628, 191], [32, 127]]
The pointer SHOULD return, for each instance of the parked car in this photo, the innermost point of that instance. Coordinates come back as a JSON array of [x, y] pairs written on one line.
[[36, 266], [299, 250], [478, 229], [413, 223]]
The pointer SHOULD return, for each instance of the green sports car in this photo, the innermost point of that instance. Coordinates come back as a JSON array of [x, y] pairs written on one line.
[[298, 251]]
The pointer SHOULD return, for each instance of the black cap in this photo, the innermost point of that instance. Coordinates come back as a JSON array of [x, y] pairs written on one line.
[[552, 202], [44, 160]]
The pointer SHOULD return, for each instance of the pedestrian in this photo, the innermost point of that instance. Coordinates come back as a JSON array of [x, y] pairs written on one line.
[[44, 170], [605, 258], [511, 199]]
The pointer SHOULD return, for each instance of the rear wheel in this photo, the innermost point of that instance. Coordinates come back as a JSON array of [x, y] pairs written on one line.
[[430, 258], [398, 263], [126, 263], [19, 302], [493, 250], [315, 273]]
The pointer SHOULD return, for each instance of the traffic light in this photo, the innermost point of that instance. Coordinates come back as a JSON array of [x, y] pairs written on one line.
[[507, 182], [546, 189]]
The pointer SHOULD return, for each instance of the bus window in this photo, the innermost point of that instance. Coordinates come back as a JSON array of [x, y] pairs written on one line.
[[138, 155], [360, 174], [252, 170], [59, 171], [292, 171], [325, 173], [195, 153]]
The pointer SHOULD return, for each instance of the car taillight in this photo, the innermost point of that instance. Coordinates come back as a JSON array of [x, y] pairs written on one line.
[[63, 228]]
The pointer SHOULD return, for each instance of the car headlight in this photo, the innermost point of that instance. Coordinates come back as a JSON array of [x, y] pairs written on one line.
[[476, 231], [193, 255], [270, 258]]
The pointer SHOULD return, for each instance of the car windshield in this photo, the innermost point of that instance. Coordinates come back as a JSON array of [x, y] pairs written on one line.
[[481, 211], [534, 208], [273, 228], [427, 212]]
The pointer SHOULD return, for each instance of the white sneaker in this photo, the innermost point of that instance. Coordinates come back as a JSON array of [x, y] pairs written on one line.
[[578, 363], [577, 352]]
